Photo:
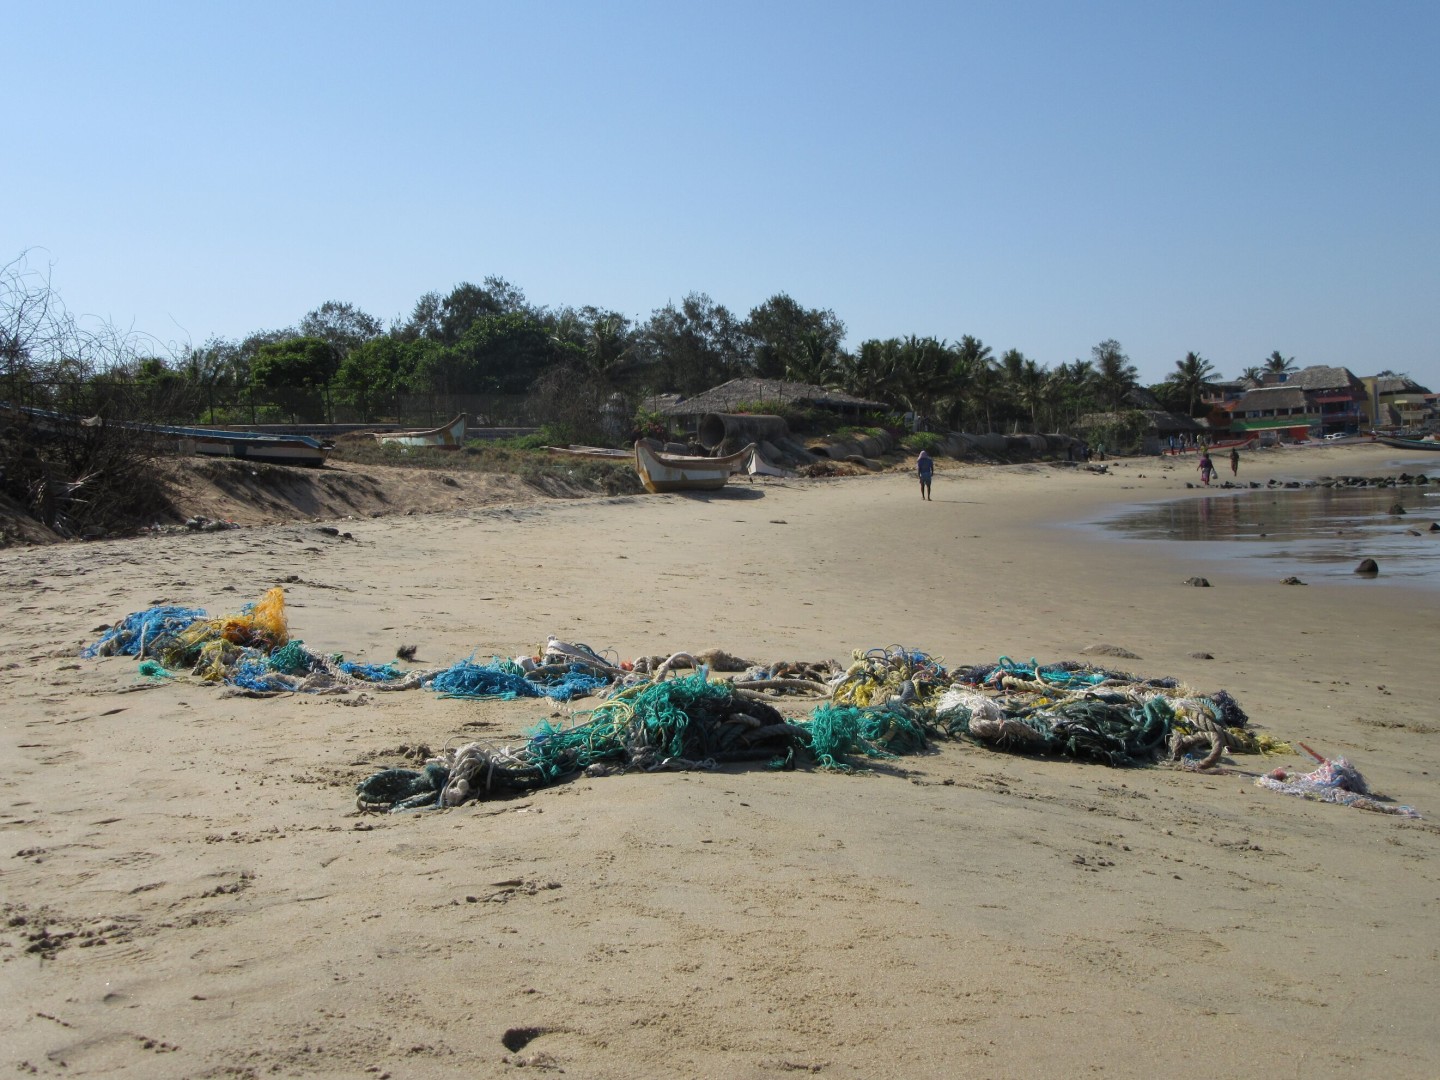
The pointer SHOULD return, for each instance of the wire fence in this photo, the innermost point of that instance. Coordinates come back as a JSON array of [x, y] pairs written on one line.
[[179, 401]]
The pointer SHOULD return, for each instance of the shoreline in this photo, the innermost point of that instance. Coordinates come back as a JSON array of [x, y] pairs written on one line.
[[1029, 915]]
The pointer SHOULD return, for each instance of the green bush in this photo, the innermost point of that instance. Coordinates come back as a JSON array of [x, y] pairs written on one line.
[[1125, 434], [922, 440]]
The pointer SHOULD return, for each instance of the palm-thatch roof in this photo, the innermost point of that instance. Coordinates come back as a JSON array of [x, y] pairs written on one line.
[[727, 396], [1321, 377], [1160, 421], [1140, 398], [1398, 384], [1287, 396]]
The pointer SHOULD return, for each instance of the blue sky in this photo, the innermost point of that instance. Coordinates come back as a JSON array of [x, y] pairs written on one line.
[[1230, 178]]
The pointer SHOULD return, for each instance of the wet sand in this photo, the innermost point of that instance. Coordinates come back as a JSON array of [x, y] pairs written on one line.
[[1276, 532], [961, 913]]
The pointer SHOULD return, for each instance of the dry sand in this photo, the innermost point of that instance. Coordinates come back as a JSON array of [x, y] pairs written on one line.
[[965, 913]]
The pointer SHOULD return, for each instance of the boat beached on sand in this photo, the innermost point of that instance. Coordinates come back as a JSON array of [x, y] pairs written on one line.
[[249, 445], [1408, 444], [661, 472], [208, 442], [679, 472], [449, 436]]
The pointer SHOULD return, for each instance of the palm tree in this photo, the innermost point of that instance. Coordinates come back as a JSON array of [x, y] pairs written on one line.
[[1279, 365], [924, 372], [985, 387], [1114, 374], [1024, 382], [1254, 375], [1075, 385], [958, 381], [1032, 386], [814, 362], [609, 346], [1191, 376], [872, 371]]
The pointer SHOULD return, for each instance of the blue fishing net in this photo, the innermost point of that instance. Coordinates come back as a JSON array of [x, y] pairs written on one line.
[[143, 632], [372, 672], [503, 679], [467, 679], [252, 671]]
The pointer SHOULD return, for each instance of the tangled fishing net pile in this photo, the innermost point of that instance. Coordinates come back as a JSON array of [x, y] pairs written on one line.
[[252, 653], [885, 703]]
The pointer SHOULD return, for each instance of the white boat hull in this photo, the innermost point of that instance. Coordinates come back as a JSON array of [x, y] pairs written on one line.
[[449, 436], [672, 472]]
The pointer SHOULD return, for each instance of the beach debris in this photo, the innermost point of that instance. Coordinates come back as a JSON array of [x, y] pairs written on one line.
[[1202, 656], [1396, 508], [1198, 582], [682, 723], [1075, 710], [507, 680], [517, 1038], [1110, 650], [1367, 568], [252, 654], [886, 702], [894, 673], [406, 652], [1292, 580], [1335, 781]]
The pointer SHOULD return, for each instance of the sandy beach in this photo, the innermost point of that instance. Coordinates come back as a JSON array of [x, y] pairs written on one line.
[[960, 913]]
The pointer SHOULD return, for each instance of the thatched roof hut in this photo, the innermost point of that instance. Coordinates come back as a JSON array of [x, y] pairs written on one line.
[[775, 395], [1159, 422]]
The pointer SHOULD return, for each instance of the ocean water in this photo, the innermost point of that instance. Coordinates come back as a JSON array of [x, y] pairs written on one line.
[[1309, 533]]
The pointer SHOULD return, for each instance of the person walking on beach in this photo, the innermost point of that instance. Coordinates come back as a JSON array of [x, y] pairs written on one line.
[[1206, 467], [1234, 461], [925, 466]]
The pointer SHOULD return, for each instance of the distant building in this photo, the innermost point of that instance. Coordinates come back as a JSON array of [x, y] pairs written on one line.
[[1312, 401], [1161, 425], [1223, 392], [1396, 401]]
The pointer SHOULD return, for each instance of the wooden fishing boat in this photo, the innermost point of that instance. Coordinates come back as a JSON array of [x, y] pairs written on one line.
[[1229, 444], [449, 436], [208, 442], [676, 472], [1408, 444], [1235, 444], [754, 464], [593, 453], [248, 445]]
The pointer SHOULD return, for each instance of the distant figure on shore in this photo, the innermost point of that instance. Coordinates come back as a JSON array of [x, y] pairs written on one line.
[[1234, 461], [925, 466], [1206, 467]]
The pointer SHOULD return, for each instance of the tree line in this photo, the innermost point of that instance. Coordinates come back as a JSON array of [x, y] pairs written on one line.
[[489, 340]]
